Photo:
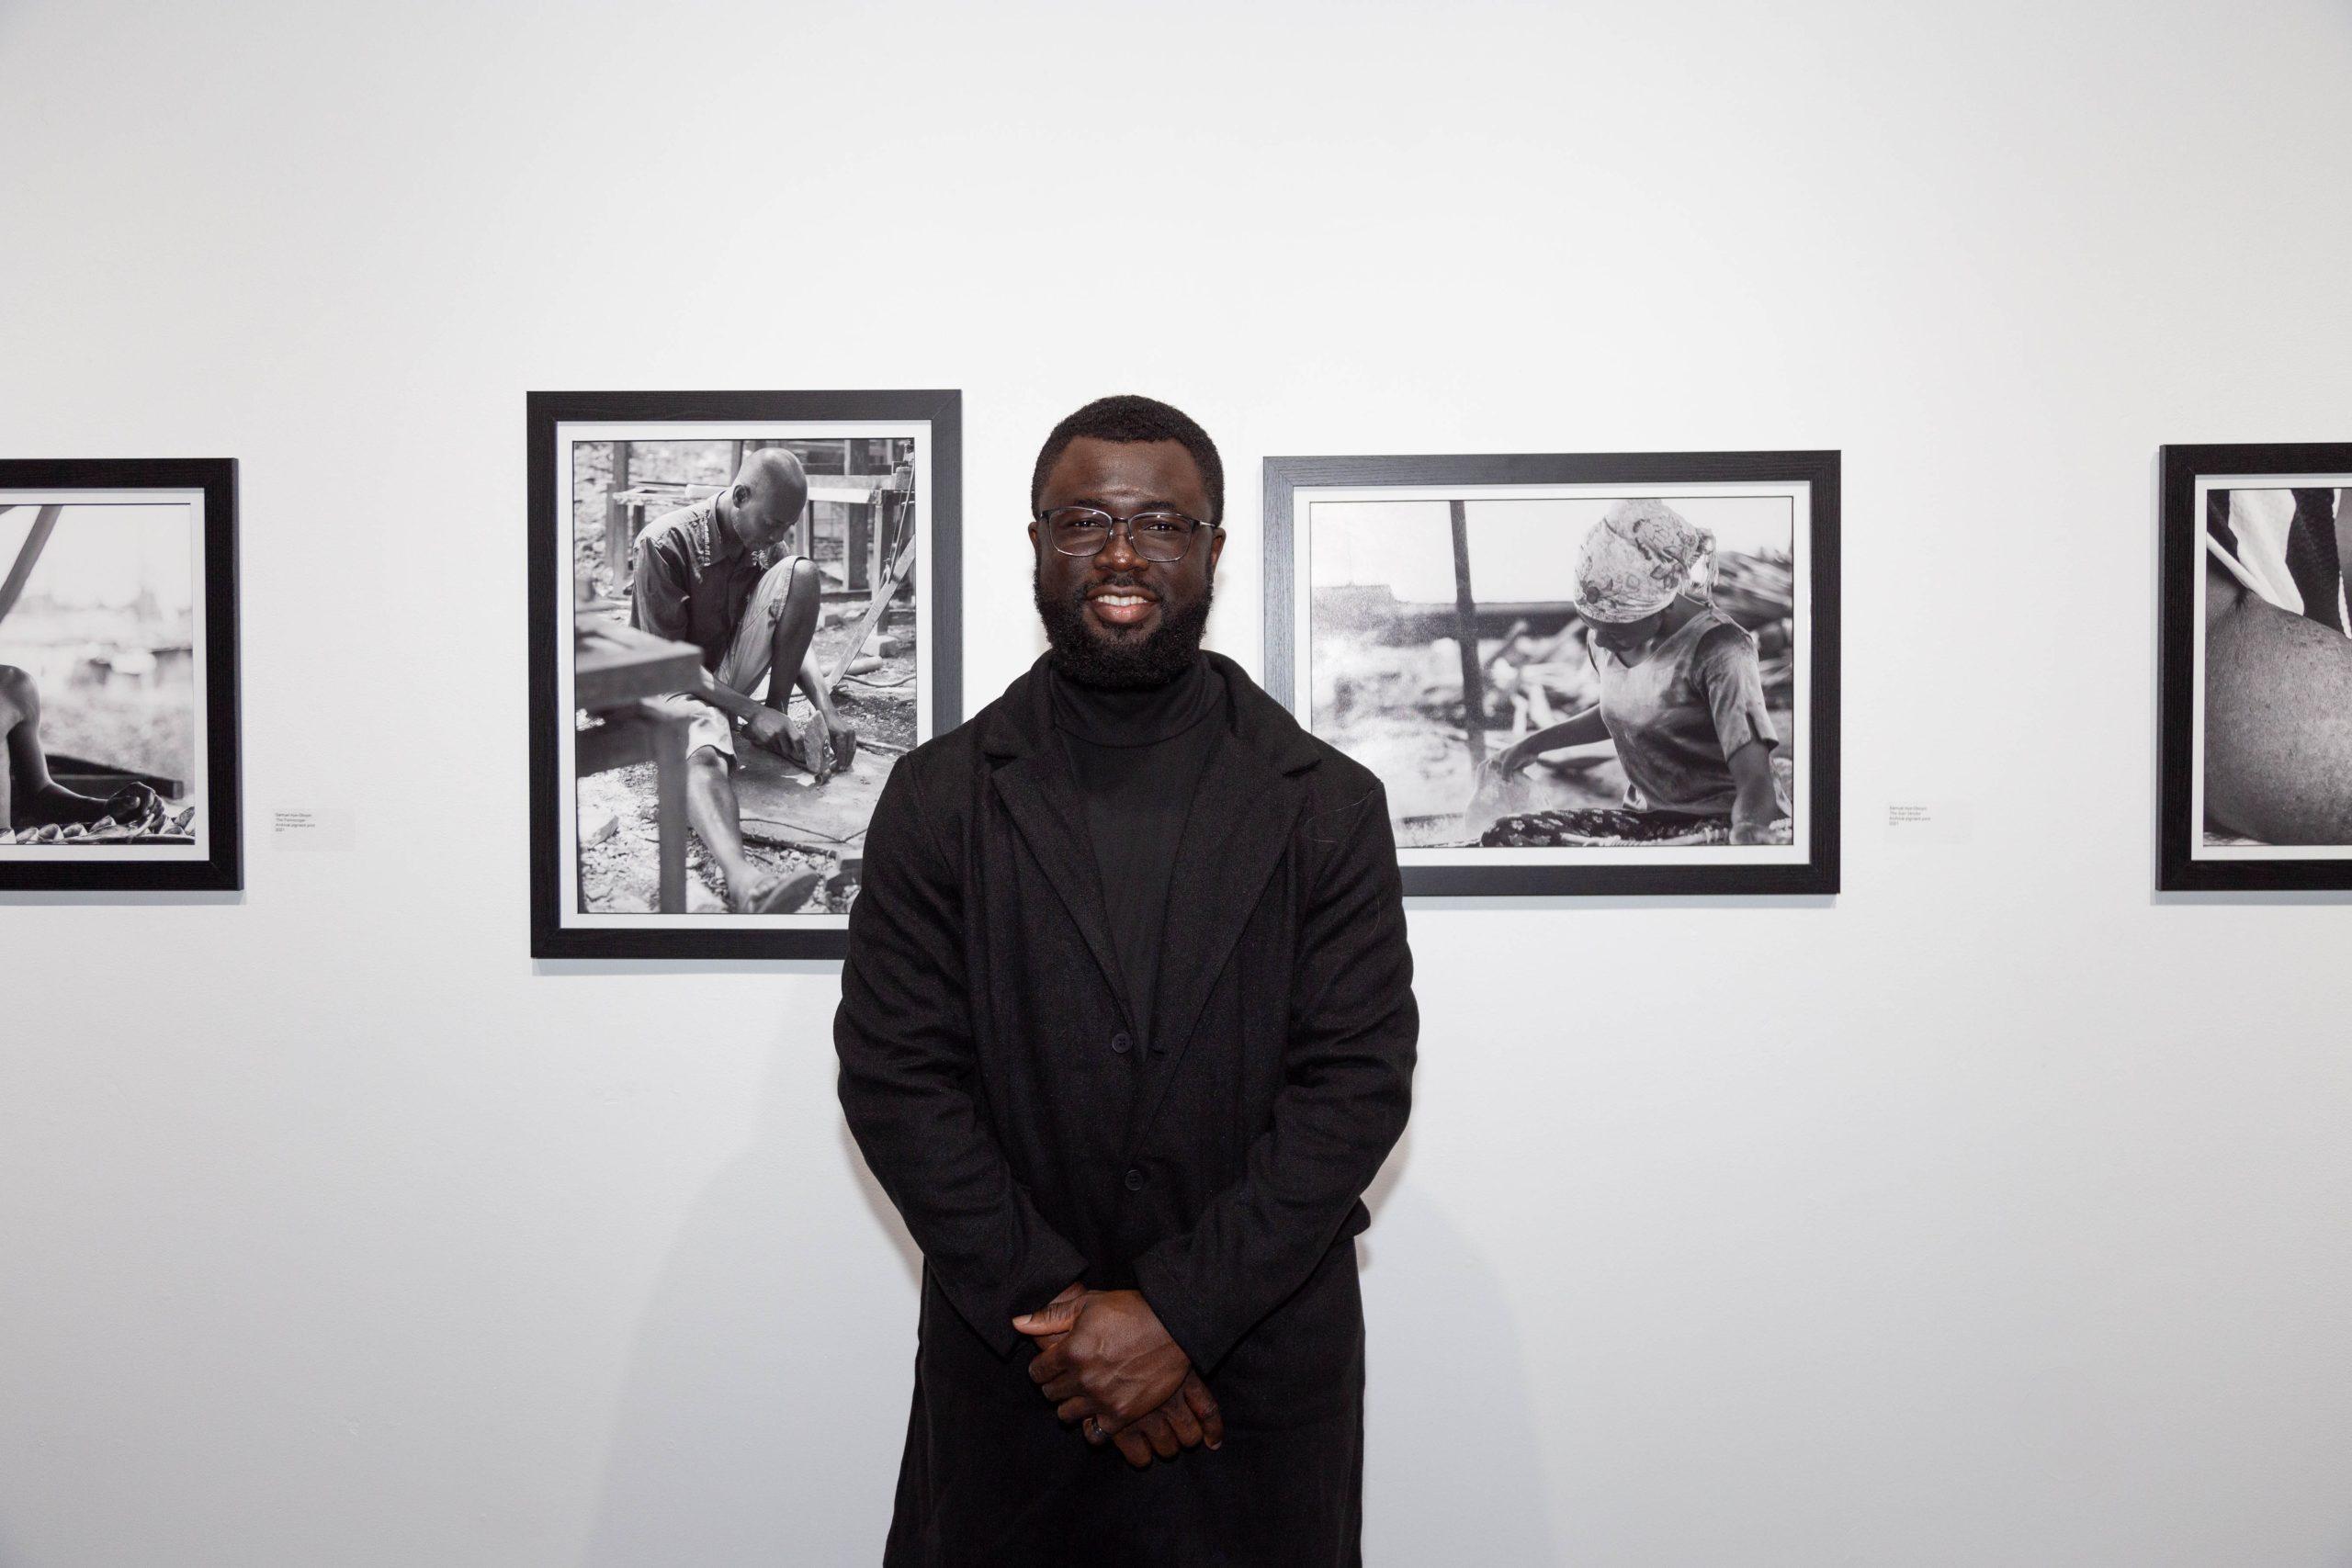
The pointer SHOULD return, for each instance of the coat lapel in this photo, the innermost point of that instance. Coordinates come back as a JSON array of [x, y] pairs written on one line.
[[1039, 794], [1239, 824]]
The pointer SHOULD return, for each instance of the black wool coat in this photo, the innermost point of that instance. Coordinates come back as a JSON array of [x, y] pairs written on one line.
[[990, 1074]]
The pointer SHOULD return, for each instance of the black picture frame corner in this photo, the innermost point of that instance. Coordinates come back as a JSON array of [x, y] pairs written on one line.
[[222, 867]]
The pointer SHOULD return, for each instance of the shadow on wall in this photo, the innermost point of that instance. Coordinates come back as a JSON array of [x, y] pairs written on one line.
[[764, 1405], [1452, 1469]]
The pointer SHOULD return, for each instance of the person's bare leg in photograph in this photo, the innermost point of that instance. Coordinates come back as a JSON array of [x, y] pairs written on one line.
[[829, 743], [717, 818]]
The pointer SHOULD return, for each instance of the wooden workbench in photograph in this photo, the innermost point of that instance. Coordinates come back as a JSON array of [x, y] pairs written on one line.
[[614, 669]]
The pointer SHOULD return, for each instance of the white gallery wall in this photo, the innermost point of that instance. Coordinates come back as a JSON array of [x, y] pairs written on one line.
[[1995, 1213]]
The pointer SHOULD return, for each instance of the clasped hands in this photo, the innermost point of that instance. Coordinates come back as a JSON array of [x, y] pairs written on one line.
[[1105, 1360]]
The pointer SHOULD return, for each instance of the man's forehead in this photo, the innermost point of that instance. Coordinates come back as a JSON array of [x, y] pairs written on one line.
[[773, 467], [1090, 466]]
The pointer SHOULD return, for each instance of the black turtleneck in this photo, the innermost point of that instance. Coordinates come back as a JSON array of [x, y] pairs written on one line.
[[1137, 758]]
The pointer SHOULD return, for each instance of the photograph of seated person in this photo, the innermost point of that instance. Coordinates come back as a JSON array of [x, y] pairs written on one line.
[[714, 574]]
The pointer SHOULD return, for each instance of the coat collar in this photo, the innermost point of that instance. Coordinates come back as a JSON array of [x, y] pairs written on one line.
[[1021, 722], [1239, 823]]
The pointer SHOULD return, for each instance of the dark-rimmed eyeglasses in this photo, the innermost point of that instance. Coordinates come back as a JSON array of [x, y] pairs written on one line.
[[1160, 536]]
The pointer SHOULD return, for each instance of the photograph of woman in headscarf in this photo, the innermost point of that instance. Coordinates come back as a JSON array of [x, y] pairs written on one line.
[[1562, 668], [1681, 697]]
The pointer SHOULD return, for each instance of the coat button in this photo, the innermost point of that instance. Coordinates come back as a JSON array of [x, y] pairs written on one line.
[[1120, 1042], [1135, 1179]]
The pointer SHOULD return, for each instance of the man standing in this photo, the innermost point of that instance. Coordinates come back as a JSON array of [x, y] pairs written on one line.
[[1127, 1027], [713, 574]]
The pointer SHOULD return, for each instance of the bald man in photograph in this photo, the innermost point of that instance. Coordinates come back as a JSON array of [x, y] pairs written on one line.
[[1127, 1029], [714, 574]]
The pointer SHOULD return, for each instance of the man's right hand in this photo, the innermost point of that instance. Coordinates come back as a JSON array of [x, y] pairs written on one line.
[[1188, 1419], [770, 730], [812, 747]]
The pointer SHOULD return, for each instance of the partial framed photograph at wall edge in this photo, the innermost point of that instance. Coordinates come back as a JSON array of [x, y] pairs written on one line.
[[2256, 691], [118, 729], [744, 608], [1574, 673]]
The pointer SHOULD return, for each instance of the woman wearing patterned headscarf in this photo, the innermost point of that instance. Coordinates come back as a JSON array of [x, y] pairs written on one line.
[[1681, 693]]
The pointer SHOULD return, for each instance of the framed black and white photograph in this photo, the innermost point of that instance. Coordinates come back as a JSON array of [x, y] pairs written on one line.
[[1574, 673], [743, 610], [2256, 693], [119, 675]]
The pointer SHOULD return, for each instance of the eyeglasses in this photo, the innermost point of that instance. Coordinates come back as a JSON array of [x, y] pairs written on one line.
[[1160, 536]]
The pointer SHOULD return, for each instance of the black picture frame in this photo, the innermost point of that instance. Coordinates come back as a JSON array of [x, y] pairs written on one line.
[[1813, 868], [216, 861], [937, 573], [2189, 857]]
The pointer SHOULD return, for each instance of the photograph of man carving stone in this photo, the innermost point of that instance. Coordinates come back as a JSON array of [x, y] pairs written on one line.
[[1126, 1029], [704, 574], [784, 563]]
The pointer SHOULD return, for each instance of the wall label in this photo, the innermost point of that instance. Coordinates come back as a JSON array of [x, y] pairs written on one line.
[[1931, 821], [314, 828]]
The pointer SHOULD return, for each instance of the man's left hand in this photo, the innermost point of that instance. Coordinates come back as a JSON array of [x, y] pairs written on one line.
[[838, 736], [1106, 1355]]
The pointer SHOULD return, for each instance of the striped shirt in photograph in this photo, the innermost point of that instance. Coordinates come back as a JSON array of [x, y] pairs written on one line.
[[2287, 547]]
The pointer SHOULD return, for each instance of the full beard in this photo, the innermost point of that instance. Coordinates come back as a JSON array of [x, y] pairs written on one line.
[[1120, 664]]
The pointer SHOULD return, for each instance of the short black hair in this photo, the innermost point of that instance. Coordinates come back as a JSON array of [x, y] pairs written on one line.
[[1130, 418]]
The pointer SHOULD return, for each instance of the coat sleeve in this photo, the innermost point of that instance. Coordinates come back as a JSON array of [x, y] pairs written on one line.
[[909, 1081], [1348, 1072]]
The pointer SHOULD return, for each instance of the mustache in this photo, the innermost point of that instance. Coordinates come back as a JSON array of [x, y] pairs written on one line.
[[1124, 584]]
